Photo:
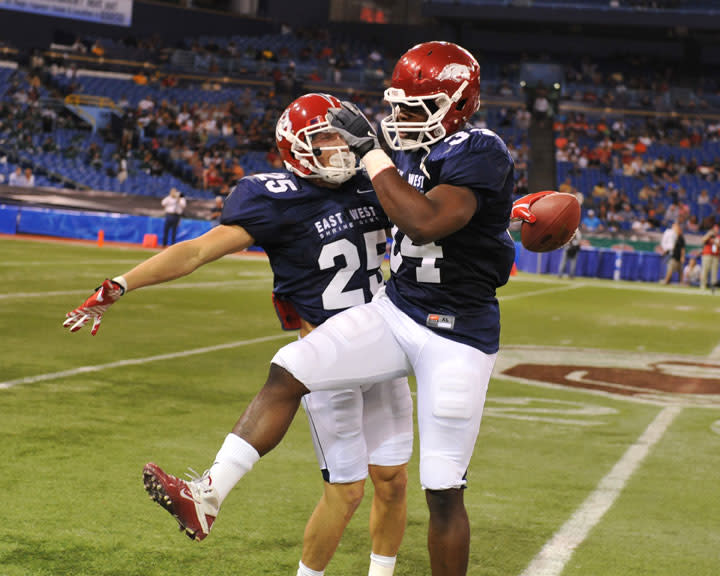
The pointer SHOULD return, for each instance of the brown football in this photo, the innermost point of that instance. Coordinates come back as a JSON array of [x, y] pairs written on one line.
[[558, 216]]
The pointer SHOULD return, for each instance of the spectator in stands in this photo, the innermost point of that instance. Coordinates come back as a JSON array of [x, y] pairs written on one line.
[[97, 48], [677, 255], [122, 168], [691, 273], [174, 205], [78, 46], [541, 109], [567, 186], [28, 179], [17, 178], [626, 216], [672, 213], [692, 225], [599, 193], [710, 258], [591, 223]]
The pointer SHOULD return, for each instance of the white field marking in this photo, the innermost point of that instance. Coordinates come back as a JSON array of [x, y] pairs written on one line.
[[543, 291], [715, 354], [546, 410], [179, 286], [715, 427], [556, 553], [74, 262], [136, 361]]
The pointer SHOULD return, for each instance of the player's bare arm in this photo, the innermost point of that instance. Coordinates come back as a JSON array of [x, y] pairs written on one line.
[[178, 260], [423, 218], [185, 257]]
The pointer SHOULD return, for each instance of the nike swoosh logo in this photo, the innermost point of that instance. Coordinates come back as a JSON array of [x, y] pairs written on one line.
[[185, 493], [364, 191]]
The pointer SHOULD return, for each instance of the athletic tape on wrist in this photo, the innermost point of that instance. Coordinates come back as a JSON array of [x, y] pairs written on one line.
[[376, 161], [121, 280]]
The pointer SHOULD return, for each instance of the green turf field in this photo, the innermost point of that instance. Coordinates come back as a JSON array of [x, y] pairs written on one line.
[[604, 485]]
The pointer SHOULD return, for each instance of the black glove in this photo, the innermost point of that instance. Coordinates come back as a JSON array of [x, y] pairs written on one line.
[[354, 127]]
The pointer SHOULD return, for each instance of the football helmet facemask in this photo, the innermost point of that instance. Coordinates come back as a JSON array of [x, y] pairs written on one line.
[[301, 122], [438, 82]]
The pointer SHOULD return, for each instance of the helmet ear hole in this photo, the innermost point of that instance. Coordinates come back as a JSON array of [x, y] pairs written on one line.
[[461, 104]]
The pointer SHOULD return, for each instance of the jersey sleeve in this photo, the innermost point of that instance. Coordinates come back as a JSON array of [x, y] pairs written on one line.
[[480, 162], [249, 207]]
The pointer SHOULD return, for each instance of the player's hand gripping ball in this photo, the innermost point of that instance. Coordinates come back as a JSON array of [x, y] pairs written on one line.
[[557, 217]]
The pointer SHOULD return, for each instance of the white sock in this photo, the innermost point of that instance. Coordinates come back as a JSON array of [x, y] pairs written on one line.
[[305, 571], [381, 565], [235, 459]]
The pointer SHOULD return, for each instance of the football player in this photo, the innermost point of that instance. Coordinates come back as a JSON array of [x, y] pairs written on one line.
[[448, 191], [325, 235]]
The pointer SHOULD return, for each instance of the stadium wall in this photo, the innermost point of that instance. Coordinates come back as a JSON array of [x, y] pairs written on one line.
[[132, 229]]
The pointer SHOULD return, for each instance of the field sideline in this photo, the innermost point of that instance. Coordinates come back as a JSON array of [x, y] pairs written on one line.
[[598, 454]]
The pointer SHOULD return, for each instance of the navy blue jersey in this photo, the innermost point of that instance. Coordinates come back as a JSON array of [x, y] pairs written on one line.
[[449, 285], [325, 245]]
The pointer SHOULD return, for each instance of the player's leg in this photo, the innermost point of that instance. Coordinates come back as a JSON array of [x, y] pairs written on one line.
[[452, 384], [327, 523], [704, 270], [388, 425], [335, 418], [166, 230], [195, 504], [573, 265], [175, 224], [448, 532], [333, 356], [388, 517], [563, 261]]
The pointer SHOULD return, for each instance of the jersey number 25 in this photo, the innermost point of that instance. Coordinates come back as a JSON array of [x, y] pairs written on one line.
[[335, 296]]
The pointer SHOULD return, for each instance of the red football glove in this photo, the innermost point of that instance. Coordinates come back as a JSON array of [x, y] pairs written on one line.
[[94, 307], [521, 206]]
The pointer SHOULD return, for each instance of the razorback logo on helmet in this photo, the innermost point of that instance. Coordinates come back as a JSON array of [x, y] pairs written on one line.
[[656, 378], [284, 125], [454, 72]]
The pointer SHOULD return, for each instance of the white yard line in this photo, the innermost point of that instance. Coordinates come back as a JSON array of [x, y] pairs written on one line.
[[715, 354], [543, 291], [136, 361], [556, 553]]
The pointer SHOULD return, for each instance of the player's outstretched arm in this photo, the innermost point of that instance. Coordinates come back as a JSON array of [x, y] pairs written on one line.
[[174, 262]]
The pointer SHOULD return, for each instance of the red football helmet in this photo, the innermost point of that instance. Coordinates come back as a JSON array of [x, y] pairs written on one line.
[[302, 120], [441, 82]]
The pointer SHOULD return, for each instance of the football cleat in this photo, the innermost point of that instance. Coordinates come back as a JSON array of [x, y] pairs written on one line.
[[193, 504]]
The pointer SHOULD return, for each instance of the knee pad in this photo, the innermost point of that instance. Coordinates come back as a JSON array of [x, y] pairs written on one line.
[[438, 472]]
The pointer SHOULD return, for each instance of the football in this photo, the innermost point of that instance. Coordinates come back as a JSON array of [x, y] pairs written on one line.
[[558, 216]]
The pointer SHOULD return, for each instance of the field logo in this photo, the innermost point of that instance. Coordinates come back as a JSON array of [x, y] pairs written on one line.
[[652, 378]]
